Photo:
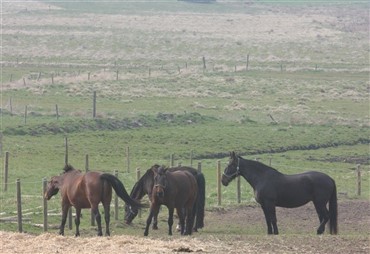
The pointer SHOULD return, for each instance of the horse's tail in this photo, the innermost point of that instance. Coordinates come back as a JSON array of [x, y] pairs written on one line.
[[201, 198], [333, 212], [120, 190]]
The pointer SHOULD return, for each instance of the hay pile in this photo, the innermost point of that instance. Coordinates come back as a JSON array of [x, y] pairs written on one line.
[[53, 243]]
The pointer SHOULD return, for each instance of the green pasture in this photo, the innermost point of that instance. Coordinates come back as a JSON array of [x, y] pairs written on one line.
[[302, 104]]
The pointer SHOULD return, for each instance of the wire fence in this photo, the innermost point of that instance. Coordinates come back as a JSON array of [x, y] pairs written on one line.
[[32, 209]]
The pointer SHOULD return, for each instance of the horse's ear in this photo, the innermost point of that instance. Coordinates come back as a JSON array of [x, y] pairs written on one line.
[[154, 170], [232, 154]]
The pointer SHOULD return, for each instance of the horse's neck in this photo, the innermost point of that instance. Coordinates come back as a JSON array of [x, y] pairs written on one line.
[[253, 172], [147, 184]]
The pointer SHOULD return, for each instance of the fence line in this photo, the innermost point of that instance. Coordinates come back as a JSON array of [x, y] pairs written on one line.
[[21, 212]]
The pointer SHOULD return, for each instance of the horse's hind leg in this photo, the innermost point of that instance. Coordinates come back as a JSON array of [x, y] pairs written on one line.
[[95, 210], [170, 220], [189, 221], [323, 214], [181, 225], [77, 221], [107, 218]]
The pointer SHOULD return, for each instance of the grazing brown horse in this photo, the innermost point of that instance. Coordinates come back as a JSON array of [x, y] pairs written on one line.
[[178, 190], [272, 188], [144, 186], [87, 190]]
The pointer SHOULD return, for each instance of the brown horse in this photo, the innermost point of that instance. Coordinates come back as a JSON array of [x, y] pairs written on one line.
[[87, 191], [178, 190], [145, 184]]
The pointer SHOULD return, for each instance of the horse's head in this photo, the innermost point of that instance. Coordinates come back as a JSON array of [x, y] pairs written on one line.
[[232, 169], [130, 213], [141, 188], [53, 187], [160, 181]]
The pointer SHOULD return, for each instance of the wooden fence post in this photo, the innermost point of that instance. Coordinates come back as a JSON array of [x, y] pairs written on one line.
[[11, 106], [52, 78], [204, 63], [138, 175], [172, 160], [86, 162], [247, 65], [6, 171], [25, 115], [117, 75], [57, 111], [45, 205], [199, 167], [66, 149], [270, 161], [358, 180], [1, 143], [116, 199], [94, 104], [128, 159], [219, 182], [238, 192], [19, 206], [191, 158]]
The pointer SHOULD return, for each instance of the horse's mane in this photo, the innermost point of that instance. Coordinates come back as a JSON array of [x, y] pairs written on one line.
[[259, 165], [68, 168]]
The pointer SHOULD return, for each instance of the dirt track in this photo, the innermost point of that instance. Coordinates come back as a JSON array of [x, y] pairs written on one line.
[[221, 235]]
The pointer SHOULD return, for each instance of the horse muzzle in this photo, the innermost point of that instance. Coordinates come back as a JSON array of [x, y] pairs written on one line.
[[160, 194], [225, 180]]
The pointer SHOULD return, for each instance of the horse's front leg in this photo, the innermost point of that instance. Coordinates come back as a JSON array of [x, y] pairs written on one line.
[[77, 221], [149, 221], [170, 220], [65, 208], [155, 222], [270, 216]]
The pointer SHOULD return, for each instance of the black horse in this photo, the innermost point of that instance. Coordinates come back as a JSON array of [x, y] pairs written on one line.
[[144, 186], [272, 188]]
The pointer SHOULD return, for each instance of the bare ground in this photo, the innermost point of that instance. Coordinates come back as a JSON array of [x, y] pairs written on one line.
[[222, 234]]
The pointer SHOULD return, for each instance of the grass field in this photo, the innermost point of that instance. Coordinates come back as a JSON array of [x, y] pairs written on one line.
[[269, 88]]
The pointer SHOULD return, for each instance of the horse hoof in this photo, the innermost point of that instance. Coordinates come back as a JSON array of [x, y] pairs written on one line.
[[155, 228]]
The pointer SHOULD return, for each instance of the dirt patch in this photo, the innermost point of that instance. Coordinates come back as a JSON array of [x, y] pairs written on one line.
[[233, 230]]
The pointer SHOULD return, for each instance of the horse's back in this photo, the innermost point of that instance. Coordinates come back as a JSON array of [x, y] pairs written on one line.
[[96, 189], [183, 178], [299, 189], [193, 171], [185, 184]]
